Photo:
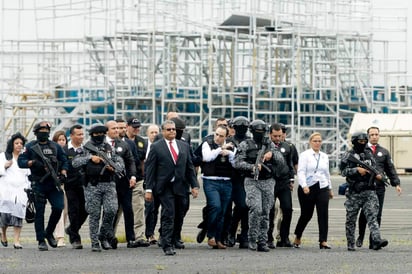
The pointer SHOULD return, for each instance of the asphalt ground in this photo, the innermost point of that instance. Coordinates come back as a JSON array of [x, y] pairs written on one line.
[[199, 258]]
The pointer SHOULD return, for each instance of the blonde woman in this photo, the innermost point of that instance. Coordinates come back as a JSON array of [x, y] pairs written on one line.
[[315, 189]]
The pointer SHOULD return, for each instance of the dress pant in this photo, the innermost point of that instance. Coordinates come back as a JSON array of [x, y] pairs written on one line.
[[285, 198], [151, 213], [319, 198], [76, 211], [174, 208], [138, 206], [240, 211], [124, 198]]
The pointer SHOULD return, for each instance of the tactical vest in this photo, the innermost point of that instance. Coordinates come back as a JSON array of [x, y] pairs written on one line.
[[251, 155], [219, 167]]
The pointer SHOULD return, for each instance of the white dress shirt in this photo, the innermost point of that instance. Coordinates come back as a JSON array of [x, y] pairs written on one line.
[[312, 168]]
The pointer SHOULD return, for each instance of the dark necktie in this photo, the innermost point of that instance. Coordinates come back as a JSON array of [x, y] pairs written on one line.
[[172, 149]]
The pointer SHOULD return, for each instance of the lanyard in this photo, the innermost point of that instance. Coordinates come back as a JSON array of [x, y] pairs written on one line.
[[317, 163]]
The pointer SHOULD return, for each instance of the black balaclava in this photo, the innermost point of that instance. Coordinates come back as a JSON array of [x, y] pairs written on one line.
[[258, 136], [179, 133], [358, 147], [42, 136], [240, 131], [99, 139]]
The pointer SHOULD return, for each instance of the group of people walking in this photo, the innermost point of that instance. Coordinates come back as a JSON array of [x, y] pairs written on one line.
[[117, 171]]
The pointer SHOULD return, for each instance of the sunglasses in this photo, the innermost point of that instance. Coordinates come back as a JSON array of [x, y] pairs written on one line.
[[170, 129]]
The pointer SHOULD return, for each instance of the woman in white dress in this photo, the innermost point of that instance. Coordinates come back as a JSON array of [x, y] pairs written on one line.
[[13, 198]]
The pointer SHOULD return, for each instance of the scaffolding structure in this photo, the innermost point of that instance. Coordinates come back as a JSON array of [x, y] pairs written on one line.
[[310, 64]]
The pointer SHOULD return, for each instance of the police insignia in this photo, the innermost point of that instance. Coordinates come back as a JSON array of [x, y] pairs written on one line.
[[140, 144]]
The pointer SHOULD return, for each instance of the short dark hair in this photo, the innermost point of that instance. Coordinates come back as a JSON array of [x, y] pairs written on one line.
[[225, 128], [120, 120], [372, 127], [277, 127], [72, 128]]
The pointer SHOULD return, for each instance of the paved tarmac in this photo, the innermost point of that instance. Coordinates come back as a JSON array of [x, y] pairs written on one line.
[[199, 258]]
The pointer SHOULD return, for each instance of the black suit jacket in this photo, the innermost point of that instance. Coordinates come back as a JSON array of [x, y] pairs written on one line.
[[160, 169]]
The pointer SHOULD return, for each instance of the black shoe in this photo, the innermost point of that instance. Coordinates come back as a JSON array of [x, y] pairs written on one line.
[[179, 245], [271, 245], [351, 247], [243, 245], [379, 244], [284, 244], [359, 241], [263, 248], [43, 246], [113, 242], [96, 247], [51, 240], [142, 243], [324, 246], [169, 251], [132, 244], [231, 241], [5, 244], [201, 235], [105, 244], [77, 245]]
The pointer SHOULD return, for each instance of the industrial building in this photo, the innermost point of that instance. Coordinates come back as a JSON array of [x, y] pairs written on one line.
[[310, 64]]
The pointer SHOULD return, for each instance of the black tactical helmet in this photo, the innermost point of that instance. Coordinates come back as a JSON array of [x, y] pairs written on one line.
[[358, 136], [258, 125], [240, 121], [97, 128], [40, 125], [359, 147]]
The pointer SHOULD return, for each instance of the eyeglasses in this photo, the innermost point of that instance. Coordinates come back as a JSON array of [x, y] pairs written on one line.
[[170, 129]]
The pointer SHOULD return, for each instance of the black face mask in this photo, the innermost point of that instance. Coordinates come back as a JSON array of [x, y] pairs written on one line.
[[179, 134], [358, 147], [42, 136], [258, 137], [240, 131], [98, 139]]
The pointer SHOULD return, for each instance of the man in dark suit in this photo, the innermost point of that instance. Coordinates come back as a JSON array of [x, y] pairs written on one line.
[[169, 174]]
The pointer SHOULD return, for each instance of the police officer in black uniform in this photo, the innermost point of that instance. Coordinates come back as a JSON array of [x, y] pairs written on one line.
[[240, 210], [283, 189], [74, 187], [35, 156], [361, 193]]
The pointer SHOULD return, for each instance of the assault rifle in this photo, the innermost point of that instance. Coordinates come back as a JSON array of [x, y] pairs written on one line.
[[50, 170], [259, 161], [374, 172], [119, 172]]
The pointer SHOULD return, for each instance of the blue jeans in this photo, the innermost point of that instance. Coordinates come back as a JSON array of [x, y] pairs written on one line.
[[218, 196]]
